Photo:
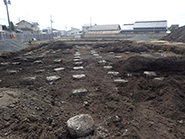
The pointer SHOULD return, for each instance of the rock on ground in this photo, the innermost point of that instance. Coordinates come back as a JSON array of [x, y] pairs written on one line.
[[80, 125]]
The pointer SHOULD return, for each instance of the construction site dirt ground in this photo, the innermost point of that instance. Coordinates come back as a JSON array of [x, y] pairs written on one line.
[[144, 107]]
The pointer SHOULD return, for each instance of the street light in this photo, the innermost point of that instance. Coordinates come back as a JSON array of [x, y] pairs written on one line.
[[5, 2]]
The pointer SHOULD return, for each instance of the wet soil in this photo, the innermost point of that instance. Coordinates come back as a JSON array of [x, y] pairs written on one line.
[[146, 107]]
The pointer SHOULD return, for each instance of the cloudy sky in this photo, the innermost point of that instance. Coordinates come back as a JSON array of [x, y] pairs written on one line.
[[75, 13]]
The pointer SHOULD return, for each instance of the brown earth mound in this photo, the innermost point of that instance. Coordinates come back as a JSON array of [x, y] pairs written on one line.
[[140, 64], [177, 36]]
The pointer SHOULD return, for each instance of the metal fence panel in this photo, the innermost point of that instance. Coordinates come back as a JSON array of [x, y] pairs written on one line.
[[26, 37]]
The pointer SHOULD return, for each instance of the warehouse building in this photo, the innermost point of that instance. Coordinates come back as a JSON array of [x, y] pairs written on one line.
[[105, 29], [145, 27]]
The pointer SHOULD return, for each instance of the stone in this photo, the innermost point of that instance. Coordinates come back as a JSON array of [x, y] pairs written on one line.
[[96, 55], [5, 63], [59, 69], [38, 62], [78, 77], [28, 80], [111, 53], [118, 57], [76, 60], [102, 132], [129, 74], [107, 67], [66, 51], [16, 63], [11, 71], [150, 73], [57, 60], [78, 63], [78, 68], [102, 62], [40, 71], [77, 54], [120, 81], [127, 52], [58, 50], [52, 78], [79, 92], [53, 52], [80, 125], [27, 54], [159, 78], [114, 73], [11, 106], [93, 52]]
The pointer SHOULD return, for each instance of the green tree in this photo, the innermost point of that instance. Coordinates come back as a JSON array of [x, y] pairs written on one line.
[[172, 28], [4, 27]]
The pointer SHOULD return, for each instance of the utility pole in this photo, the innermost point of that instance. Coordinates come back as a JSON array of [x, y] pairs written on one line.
[[5, 2], [51, 25], [90, 21]]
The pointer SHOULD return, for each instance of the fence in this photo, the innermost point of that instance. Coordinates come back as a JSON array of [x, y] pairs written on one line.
[[26, 37]]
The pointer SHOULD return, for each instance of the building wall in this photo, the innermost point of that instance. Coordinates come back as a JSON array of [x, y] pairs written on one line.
[[24, 25], [1, 28], [126, 36]]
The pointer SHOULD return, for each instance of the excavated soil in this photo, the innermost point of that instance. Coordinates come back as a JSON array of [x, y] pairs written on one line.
[[178, 35], [146, 107]]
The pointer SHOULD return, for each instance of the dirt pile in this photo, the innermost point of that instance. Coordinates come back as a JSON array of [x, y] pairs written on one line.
[[178, 35], [140, 64]]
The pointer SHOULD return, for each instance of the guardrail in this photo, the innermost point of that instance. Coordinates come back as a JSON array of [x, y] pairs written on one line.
[[26, 37]]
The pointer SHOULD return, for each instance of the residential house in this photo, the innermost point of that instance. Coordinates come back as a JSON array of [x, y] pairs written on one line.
[[86, 27], [105, 29], [72, 32], [28, 27], [145, 27]]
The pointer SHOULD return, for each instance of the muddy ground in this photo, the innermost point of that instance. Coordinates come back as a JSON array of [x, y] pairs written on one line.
[[144, 108]]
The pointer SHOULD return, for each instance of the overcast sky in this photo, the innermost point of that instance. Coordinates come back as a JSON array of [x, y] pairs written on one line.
[[76, 13]]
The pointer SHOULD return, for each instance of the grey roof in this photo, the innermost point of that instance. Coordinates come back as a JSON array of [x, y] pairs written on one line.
[[31, 23], [150, 24], [105, 27], [128, 27]]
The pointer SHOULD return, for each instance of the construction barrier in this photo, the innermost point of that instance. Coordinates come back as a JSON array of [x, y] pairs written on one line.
[[25, 37]]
